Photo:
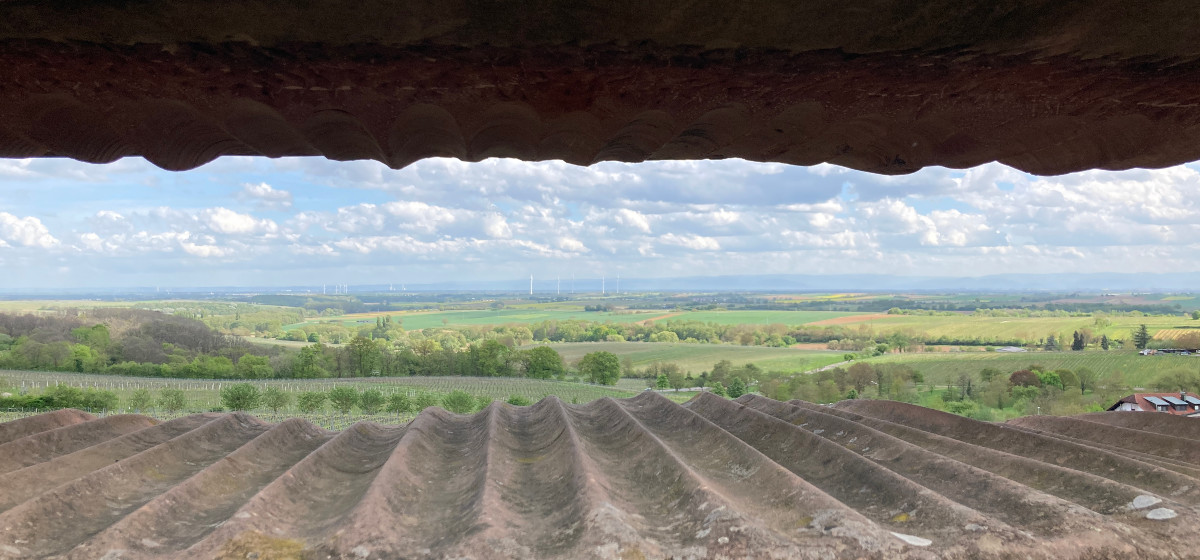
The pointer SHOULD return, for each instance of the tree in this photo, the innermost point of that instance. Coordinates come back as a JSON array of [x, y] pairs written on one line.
[[1104, 341], [1077, 342], [1024, 378], [1141, 337], [987, 374], [852, 394], [1068, 378], [363, 356], [399, 403], [1087, 379], [250, 366], [1051, 344], [140, 399], [662, 382], [275, 398], [602, 367], [543, 363], [859, 375], [719, 390], [171, 400], [459, 402], [1196, 315], [343, 398], [311, 401], [371, 401], [242, 396], [737, 388]]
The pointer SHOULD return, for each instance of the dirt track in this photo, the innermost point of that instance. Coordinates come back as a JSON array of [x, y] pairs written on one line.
[[633, 478]]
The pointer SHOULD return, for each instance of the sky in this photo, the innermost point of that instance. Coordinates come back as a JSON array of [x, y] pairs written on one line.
[[242, 221]]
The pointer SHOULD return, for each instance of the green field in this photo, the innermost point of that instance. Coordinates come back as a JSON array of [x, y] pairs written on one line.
[[1137, 370], [755, 317], [1027, 328], [701, 357], [417, 320]]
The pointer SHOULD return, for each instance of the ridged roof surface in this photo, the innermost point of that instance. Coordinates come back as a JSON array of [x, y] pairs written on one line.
[[635, 478]]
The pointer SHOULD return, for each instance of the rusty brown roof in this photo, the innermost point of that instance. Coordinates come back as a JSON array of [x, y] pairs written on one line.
[[641, 477]]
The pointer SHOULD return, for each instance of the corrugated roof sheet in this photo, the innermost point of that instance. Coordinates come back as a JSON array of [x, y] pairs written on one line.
[[1157, 401]]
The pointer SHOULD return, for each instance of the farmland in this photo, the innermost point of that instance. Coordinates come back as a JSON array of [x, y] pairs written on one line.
[[701, 357], [1136, 370], [417, 320], [1116, 327], [204, 395]]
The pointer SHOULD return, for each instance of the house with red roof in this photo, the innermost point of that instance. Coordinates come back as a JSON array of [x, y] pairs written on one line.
[[1178, 404]]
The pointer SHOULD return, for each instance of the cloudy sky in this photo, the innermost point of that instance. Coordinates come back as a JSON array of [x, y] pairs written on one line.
[[308, 221]]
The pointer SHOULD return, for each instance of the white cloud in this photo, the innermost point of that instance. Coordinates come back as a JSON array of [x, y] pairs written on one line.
[[694, 242], [27, 231], [452, 220], [633, 219], [224, 220], [266, 196]]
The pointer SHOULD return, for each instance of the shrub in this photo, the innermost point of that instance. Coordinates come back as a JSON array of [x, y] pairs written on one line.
[[242, 396], [99, 401], [518, 400], [424, 400], [399, 403], [459, 402], [171, 400], [140, 399], [63, 396], [275, 398], [371, 401], [482, 402], [343, 399], [718, 389], [311, 401]]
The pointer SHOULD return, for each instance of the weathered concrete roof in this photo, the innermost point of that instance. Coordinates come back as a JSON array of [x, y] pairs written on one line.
[[633, 478], [886, 86]]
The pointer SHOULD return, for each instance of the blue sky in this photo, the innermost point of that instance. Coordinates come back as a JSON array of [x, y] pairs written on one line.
[[255, 221]]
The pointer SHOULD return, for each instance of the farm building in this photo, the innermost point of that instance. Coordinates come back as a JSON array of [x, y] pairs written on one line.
[[1179, 404]]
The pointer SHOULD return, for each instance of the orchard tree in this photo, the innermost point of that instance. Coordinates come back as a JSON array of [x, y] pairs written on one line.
[[518, 400], [140, 400], [171, 400], [242, 396], [602, 367], [343, 398], [312, 401], [459, 402], [399, 403], [275, 398], [371, 401]]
